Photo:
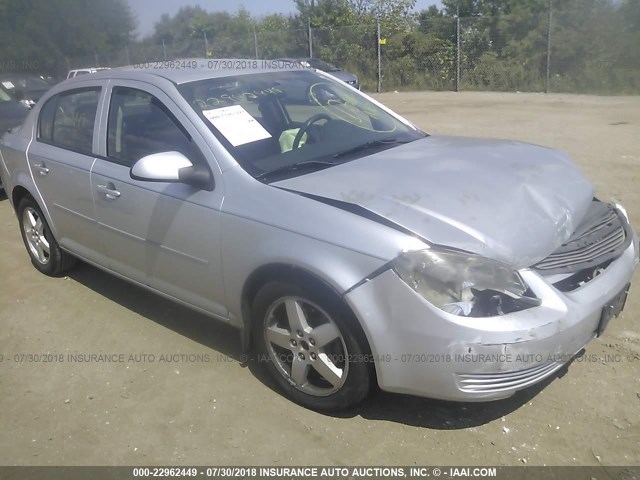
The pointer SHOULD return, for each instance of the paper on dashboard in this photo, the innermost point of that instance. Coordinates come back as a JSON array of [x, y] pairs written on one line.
[[236, 124]]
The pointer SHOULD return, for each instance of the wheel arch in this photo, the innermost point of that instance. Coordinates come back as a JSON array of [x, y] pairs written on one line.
[[294, 274], [20, 190], [18, 193]]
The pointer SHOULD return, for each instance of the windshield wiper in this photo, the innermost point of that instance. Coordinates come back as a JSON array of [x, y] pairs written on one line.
[[371, 144], [321, 164], [294, 167]]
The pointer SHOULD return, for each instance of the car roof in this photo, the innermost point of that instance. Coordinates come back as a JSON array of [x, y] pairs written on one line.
[[183, 71]]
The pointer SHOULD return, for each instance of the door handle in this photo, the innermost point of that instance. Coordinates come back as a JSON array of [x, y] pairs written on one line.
[[109, 191], [42, 169]]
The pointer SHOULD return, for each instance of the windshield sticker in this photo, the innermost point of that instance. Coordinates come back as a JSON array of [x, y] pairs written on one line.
[[8, 85], [236, 124]]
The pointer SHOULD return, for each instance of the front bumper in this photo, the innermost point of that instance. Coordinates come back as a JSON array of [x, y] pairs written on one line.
[[419, 349]]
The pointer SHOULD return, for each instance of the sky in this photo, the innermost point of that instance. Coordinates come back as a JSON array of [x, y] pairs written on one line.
[[150, 11]]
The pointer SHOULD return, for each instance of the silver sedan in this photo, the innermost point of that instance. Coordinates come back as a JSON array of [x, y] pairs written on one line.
[[347, 246]]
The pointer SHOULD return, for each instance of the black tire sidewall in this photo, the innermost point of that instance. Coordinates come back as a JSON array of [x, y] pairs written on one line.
[[359, 375]]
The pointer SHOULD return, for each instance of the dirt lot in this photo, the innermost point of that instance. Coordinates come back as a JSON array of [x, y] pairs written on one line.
[[210, 409]]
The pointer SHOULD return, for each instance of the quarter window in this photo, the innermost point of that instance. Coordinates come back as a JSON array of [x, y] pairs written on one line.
[[67, 120], [141, 125]]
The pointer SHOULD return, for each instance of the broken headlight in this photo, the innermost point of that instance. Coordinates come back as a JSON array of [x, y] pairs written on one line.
[[464, 284]]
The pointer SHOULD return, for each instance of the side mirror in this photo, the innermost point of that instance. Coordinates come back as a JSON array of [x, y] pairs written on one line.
[[171, 167]]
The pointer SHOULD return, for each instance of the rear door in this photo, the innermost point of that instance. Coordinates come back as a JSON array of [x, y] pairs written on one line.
[[165, 235], [60, 159]]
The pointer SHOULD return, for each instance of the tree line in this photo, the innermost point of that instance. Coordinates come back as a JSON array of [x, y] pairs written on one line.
[[471, 44]]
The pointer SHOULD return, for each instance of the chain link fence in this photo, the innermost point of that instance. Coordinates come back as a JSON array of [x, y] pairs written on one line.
[[536, 53], [492, 60]]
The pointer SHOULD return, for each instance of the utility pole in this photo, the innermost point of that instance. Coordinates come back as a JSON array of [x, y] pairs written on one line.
[[379, 56], [312, 12], [255, 40], [206, 45], [546, 86], [310, 40], [164, 49], [458, 47]]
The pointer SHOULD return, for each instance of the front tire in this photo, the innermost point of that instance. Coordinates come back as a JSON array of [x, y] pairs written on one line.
[[45, 253], [312, 346]]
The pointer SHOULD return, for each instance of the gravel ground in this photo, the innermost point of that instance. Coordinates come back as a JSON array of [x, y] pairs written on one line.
[[201, 405]]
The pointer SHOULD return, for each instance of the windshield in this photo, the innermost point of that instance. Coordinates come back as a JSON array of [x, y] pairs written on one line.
[[24, 82], [273, 122]]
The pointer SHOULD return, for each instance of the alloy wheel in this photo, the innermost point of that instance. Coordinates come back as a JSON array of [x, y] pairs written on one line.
[[36, 240], [306, 346]]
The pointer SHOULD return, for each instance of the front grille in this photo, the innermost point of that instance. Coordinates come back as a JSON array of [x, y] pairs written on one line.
[[600, 237], [498, 382]]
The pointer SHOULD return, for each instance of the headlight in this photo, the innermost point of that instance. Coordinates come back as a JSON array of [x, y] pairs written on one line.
[[621, 209], [464, 284]]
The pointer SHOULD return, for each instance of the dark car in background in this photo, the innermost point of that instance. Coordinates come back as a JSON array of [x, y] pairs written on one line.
[[12, 113], [347, 77], [24, 86]]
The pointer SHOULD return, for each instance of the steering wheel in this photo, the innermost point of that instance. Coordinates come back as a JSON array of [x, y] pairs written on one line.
[[303, 129]]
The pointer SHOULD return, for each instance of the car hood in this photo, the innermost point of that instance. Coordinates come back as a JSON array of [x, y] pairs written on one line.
[[34, 95], [505, 200]]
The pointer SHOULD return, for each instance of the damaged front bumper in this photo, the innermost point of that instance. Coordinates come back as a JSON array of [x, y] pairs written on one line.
[[421, 350]]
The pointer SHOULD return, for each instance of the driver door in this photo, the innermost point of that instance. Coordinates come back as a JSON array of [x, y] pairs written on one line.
[[164, 235]]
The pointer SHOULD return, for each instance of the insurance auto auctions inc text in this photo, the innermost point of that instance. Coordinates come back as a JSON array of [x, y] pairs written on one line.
[[375, 472]]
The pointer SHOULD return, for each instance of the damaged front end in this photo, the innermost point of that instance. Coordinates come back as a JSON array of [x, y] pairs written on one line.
[[464, 284], [470, 285], [599, 239], [488, 329]]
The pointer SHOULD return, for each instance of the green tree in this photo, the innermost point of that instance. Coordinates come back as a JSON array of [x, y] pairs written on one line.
[[280, 37], [42, 35], [326, 13]]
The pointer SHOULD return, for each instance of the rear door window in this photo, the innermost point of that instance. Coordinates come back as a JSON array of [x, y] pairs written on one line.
[[67, 120]]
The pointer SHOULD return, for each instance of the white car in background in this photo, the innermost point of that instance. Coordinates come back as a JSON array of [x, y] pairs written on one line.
[[85, 71]]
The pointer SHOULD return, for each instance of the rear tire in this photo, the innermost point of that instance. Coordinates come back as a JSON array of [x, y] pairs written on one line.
[[45, 253], [312, 346]]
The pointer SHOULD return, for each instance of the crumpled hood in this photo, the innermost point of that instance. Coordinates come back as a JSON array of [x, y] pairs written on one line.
[[505, 200]]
